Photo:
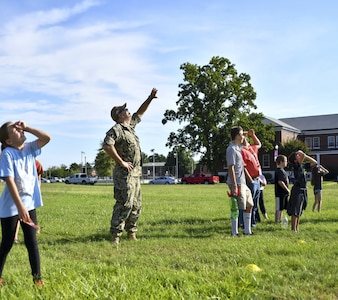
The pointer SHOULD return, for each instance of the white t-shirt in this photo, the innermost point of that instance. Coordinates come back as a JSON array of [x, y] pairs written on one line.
[[20, 164]]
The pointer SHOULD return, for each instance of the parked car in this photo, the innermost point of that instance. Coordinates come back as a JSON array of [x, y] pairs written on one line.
[[200, 178], [80, 178], [54, 179], [163, 180], [45, 180]]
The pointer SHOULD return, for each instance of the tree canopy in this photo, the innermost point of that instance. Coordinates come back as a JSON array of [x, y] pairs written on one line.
[[212, 99], [156, 157], [186, 164], [290, 146], [104, 164]]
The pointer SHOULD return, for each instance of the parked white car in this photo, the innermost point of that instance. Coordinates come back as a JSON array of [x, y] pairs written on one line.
[[80, 178], [163, 180], [54, 179]]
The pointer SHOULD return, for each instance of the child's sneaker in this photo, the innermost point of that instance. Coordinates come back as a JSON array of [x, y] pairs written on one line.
[[39, 283]]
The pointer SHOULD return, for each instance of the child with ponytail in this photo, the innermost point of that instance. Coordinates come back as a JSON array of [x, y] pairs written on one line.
[[21, 195]]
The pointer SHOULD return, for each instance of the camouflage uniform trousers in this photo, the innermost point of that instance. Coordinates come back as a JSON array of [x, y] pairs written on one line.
[[127, 208]]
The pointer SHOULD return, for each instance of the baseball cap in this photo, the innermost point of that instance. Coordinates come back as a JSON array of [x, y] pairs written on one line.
[[116, 110]]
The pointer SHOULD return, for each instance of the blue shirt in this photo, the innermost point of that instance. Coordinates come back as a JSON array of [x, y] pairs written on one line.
[[20, 164]]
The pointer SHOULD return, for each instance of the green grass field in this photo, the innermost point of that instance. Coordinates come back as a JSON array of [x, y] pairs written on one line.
[[184, 250]]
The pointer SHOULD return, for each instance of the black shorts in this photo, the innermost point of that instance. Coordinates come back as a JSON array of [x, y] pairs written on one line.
[[281, 202], [298, 201]]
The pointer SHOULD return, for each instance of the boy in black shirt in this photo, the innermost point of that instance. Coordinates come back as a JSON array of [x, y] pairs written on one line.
[[281, 187]]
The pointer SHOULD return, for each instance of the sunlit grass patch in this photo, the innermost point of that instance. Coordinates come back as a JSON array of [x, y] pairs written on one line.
[[184, 249]]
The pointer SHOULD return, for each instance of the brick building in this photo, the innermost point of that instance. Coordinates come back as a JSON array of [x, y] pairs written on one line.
[[319, 133]]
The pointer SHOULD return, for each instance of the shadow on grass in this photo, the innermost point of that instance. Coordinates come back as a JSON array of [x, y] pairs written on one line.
[[319, 220], [199, 228], [52, 239], [191, 221], [188, 228], [184, 228]]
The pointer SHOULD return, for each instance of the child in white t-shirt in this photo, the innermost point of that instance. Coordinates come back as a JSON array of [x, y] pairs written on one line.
[[21, 195]]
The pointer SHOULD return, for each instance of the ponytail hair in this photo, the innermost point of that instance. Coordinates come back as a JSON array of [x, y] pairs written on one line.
[[4, 134], [292, 159]]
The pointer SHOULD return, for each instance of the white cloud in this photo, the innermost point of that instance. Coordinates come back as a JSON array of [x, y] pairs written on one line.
[[38, 19], [88, 64]]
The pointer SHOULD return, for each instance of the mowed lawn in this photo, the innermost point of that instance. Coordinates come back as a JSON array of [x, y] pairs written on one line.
[[184, 249]]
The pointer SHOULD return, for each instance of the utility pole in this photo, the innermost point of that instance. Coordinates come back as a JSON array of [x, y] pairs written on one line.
[[176, 169], [82, 155], [153, 151]]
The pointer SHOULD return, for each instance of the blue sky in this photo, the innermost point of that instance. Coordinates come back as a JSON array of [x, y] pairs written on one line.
[[65, 63]]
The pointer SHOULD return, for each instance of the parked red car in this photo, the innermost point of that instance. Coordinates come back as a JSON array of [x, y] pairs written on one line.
[[200, 178]]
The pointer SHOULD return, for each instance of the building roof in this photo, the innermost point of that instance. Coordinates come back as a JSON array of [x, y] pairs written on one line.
[[320, 122], [280, 124]]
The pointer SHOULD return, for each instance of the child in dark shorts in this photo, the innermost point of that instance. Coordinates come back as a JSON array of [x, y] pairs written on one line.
[[281, 187], [298, 198], [316, 180]]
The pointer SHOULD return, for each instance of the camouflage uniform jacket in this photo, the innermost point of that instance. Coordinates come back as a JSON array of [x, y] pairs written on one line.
[[127, 145]]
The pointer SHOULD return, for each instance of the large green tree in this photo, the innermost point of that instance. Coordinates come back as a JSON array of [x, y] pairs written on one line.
[[185, 162], [75, 168], [144, 157], [55, 171], [156, 157], [104, 164], [290, 146], [212, 99]]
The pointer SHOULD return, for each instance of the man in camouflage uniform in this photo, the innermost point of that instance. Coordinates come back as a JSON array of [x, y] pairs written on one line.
[[122, 144]]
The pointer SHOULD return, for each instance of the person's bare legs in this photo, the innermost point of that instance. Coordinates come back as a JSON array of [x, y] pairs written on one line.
[[247, 220], [297, 223], [278, 216], [314, 205], [294, 223], [319, 201]]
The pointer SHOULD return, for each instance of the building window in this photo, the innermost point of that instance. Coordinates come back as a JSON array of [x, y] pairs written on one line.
[[331, 142], [308, 142], [266, 160], [316, 142], [336, 141]]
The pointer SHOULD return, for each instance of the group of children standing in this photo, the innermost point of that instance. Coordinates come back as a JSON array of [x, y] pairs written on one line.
[[294, 201]]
